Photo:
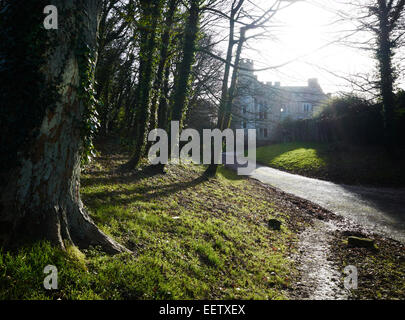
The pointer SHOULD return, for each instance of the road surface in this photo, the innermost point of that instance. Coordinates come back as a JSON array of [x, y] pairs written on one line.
[[380, 209]]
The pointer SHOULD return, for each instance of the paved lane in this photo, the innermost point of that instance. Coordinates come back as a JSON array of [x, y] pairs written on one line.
[[380, 209]]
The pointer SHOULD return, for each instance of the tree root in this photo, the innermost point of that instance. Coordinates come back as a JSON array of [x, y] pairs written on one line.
[[60, 227]]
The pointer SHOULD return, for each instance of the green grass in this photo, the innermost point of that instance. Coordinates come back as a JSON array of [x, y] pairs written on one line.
[[192, 238], [294, 156], [334, 162]]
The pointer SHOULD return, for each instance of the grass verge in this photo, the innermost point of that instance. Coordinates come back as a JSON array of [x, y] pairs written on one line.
[[192, 238], [337, 163]]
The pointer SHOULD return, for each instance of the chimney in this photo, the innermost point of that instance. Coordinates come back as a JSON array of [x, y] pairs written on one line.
[[313, 83]]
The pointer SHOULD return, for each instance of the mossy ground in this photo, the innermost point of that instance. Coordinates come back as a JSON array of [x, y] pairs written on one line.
[[192, 238], [336, 162]]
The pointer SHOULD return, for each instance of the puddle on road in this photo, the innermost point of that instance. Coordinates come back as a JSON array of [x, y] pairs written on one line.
[[320, 278]]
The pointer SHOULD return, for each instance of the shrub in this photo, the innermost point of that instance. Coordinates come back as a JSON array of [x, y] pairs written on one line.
[[351, 119]]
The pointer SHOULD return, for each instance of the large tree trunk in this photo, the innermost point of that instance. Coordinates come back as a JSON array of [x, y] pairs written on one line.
[[41, 199]]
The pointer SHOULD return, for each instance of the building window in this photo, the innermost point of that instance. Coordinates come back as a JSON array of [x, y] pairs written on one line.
[[244, 109], [307, 107], [263, 110], [244, 124], [261, 132]]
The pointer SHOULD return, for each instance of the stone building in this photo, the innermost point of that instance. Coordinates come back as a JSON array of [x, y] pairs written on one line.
[[262, 106]]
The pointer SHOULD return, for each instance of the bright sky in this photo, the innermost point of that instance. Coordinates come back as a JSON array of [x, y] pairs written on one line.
[[305, 31]]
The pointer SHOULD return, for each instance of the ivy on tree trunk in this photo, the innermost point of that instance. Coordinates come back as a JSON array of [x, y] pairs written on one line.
[[150, 14], [41, 197]]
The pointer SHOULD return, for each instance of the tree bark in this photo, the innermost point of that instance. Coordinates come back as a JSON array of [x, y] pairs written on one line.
[[234, 81], [151, 11], [182, 83], [231, 42], [41, 199], [163, 58], [178, 99], [163, 109], [384, 57], [224, 120]]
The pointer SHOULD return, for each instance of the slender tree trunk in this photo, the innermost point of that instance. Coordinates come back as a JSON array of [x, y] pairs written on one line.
[[163, 112], [212, 168], [148, 24], [225, 80], [182, 83], [226, 113], [160, 74], [178, 101], [41, 199], [384, 56], [234, 81], [164, 49]]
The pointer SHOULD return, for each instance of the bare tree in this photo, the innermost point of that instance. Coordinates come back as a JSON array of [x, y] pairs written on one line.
[[384, 20], [238, 16]]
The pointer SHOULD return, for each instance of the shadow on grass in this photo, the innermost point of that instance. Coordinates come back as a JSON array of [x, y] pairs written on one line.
[[116, 176], [138, 192], [147, 192], [230, 174]]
